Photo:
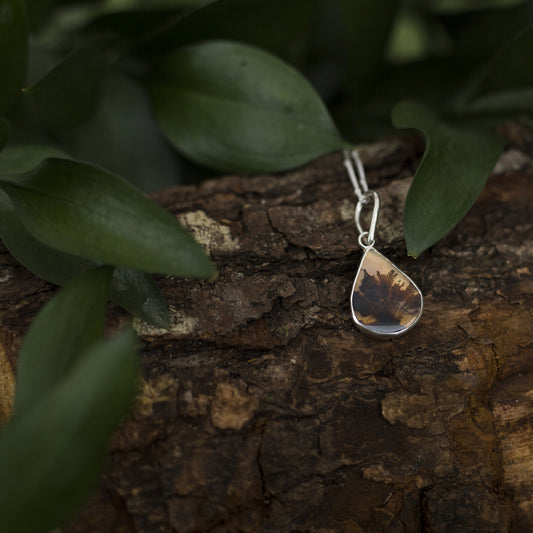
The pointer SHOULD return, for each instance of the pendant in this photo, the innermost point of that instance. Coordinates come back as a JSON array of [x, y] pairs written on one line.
[[385, 302]]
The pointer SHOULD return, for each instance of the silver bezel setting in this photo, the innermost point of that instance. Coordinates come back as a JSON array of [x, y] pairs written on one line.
[[362, 327]]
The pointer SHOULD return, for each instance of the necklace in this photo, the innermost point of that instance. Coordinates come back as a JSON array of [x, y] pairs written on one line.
[[385, 302]]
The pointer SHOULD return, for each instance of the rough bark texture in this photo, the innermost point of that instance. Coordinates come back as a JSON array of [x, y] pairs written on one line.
[[263, 409]]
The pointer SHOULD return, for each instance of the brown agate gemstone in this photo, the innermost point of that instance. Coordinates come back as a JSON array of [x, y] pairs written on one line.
[[385, 302]]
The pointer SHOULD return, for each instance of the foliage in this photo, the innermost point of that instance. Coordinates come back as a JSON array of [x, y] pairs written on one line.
[[440, 195], [167, 91], [271, 120], [73, 388]]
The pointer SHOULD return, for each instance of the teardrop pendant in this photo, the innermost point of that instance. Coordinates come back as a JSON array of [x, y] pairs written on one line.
[[385, 302]]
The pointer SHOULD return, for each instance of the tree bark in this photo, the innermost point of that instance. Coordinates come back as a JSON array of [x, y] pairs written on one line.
[[263, 409]]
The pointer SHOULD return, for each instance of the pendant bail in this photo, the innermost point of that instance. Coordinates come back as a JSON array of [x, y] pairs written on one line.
[[368, 235]]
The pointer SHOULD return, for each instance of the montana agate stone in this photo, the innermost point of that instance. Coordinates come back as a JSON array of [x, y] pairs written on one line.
[[385, 302]]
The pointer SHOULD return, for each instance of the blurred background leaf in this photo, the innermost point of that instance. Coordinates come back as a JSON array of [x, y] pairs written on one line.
[[5, 128], [49, 353], [69, 94], [123, 5], [123, 137], [362, 57], [18, 158], [41, 11], [510, 69], [13, 52], [478, 32], [51, 455], [278, 26], [368, 25]]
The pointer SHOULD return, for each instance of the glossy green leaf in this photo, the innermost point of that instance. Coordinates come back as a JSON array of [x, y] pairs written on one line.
[[135, 291], [47, 263], [85, 211], [236, 108], [454, 169], [69, 324], [5, 129], [51, 455], [13, 51], [69, 94]]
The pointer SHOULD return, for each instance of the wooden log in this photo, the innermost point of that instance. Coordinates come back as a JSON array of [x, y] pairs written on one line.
[[262, 408]]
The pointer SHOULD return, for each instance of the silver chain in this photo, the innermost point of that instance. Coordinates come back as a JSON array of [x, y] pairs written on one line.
[[357, 174], [364, 197]]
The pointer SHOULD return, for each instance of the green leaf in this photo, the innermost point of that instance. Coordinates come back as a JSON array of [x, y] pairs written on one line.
[[454, 169], [236, 108], [505, 102], [137, 293], [24, 157], [50, 457], [13, 51], [69, 324], [69, 13], [47, 263], [82, 210], [134, 291], [5, 130], [68, 94], [410, 39]]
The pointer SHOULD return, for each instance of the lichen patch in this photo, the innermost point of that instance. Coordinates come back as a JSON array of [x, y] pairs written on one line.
[[211, 234], [231, 407], [347, 210], [180, 325]]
